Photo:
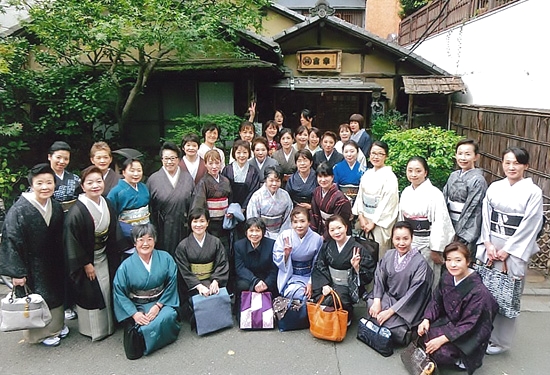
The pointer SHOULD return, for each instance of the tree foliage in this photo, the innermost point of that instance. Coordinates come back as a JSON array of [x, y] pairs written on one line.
[[408, 7], [124, 41]]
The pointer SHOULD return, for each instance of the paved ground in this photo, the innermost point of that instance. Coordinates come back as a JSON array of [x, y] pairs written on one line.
[[268, 352]]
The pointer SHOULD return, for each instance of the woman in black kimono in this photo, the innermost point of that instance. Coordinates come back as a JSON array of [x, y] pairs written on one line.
[[343, 265], [31, 252], [302, 183], [458, 321]]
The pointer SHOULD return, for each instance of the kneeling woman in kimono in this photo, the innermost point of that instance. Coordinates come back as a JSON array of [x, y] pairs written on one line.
[[90, 241], [294, 254], [459, 318], [145, 290], [402, 286], [343, 265], [201, 259]]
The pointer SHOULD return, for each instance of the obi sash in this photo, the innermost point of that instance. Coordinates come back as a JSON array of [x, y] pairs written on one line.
[[421, 225], [324, 216], [504, 224], [350, 191], [135, 216], [455, 209], [339, 277], [272, 223], [202, 271], [302, 268], [67, 204], [370, 202], [217, 207], [100, 239], [146, 296]]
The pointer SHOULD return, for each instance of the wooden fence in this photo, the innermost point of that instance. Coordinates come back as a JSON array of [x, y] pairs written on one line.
[[495, 129]]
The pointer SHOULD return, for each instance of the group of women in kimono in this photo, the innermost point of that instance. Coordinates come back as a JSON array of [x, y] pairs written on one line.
[[279, 223]]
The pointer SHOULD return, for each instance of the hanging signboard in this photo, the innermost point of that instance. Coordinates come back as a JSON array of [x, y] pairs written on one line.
[[320, 61]]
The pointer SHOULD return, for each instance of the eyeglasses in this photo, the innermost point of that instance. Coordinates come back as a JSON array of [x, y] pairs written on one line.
[[172, 158], [380, 154]]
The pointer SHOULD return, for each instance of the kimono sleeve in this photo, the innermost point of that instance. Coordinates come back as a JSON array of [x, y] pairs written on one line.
[[123, 306], [184, 265], [12, 247], [199, 195], [442, 231], [170, 296], [467, 225], [411, 304], [320, 276], [221, 266]]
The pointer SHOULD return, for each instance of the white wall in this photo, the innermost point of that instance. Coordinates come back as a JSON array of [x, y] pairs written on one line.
[[503, 57]]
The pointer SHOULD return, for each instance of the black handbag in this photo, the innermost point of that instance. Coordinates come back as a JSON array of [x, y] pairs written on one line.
[[368, 243], [378, 338], [293, 315], [416, 361], [134, 343]]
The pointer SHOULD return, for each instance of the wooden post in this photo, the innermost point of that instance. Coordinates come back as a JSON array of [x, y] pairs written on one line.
[[410, 112]]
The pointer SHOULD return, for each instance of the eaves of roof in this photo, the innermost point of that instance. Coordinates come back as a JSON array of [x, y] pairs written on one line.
[[295, 16]]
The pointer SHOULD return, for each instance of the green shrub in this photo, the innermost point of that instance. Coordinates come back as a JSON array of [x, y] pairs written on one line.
[[385, 123], [11, 175], [436, 145], [229, 127]]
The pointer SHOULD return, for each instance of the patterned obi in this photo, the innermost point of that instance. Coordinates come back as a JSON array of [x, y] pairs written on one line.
[[202, 271], [217, 207], [302, 268], [339, 277], [135, 216], [100, 239], [455, 209], [350, 191], [146, 296], [272, 223], [370, 203], [421, 225], [324, 216], [67, 204], [504, 224]]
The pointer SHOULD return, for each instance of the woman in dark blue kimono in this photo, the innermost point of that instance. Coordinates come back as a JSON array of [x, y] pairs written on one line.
[[458, 321], [302, 183], [145, 291]]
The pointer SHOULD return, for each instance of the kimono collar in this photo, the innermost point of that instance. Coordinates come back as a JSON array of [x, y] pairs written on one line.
[[400, 266]]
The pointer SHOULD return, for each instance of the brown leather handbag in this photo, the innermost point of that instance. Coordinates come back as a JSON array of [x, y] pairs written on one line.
[[328, 325]]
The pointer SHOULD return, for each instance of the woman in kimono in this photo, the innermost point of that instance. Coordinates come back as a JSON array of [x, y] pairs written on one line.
[[464, 192], [101, 157], [512, 218], [191, 161], [301, 138], [244, 178], [314, 140], [271, 204], [31, 251], [302, 183], [348, 172], [294, 255], [210, 134], [423, 205], [286, 156], [271, 134], [360, 135], [458, 320], [213, 193], [327, 201], [402, 286], [202, 261], [344, 132], [170, 189], [254, 261], [67, 184], [342, 265], [145, 291], [130, 198], [377, 202], [90, 242], [328, 154], [261, 159]]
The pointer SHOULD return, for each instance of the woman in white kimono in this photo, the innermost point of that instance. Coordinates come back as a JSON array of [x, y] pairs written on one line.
[[512, 218], [423, 205], [271, 203], [90, 242], [377, 202], [170, 189], [145, 291], [294, 253]]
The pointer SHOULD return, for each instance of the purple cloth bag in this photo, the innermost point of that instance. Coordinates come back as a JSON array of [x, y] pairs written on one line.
[[256, 310]]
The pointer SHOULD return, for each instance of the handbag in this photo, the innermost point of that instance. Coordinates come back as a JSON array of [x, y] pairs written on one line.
[[293, 315], [134, 343], [256, 310], [212, 313], [328, 325], [369, 243], [21, 313], [505, 288], [416, 361], [378, 338]]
